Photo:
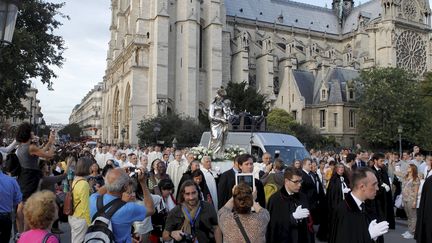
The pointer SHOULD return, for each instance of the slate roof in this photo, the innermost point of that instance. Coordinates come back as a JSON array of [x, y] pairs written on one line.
[[300, 15], [371, 10], [295, 14], [305, 82], [336, 80]]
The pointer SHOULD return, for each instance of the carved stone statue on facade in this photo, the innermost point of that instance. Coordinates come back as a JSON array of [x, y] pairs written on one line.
[[219, 115]]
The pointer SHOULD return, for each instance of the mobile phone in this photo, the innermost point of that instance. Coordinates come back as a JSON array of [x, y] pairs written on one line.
[[246, 178]]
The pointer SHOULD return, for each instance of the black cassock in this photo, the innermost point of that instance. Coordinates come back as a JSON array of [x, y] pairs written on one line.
[[283, 228], [423, 233], [350, 224], [225, 185], [334, 196], [383, 199]]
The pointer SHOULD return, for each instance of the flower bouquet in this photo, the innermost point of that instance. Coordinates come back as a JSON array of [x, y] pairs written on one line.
[[231, 152], [200, 151]]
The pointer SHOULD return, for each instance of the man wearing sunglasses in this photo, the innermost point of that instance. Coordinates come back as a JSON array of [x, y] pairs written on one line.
[[289, 214]]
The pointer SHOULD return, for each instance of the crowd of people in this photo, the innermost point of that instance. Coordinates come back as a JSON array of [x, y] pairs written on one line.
[[156, 194]]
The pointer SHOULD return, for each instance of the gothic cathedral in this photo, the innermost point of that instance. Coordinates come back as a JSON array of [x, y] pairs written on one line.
[[172, 55]]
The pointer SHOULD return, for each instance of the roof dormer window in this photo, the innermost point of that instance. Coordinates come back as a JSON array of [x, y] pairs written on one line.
[[324, 95]]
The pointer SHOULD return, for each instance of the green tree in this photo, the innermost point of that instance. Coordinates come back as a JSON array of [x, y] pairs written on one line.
[[187, 130], [72, 130], [32, 56], [279, 120], [425, 134], [389, 97], [246, 99]]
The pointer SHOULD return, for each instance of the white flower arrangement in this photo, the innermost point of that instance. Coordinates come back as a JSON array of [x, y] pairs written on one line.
[[231, 152], [200, 151]]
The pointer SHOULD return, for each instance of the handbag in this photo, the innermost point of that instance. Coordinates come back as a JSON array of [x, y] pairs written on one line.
[[68, 207], [399, 202], [242, 230]]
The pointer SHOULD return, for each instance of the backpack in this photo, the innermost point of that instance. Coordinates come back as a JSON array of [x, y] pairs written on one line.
[[47, 236], [68, 203], [100, 231], [270, 189], [12, 164]]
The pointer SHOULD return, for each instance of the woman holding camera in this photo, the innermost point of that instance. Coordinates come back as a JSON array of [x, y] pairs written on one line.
[[242, 219], [28, 155]]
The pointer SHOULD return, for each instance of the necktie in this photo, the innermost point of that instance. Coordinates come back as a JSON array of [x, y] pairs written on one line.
[[363, 207], [311, 176]]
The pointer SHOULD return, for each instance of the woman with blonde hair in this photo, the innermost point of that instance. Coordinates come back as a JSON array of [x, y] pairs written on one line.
[[40, 211], [410, 187]]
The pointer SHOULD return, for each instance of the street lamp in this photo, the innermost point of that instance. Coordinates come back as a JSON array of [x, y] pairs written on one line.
[[8, 16], [400, 129]]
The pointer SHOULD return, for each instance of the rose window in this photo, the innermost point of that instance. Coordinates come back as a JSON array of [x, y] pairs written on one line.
[[411, 52]]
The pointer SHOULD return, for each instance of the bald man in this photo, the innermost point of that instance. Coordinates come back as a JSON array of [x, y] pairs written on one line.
[[117, 185]]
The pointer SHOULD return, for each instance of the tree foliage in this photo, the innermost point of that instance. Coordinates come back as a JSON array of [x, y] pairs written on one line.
[[33, 54], [389, 97], [278, 120], [186, 130], [425, 134], [246, 99], [72, 130]]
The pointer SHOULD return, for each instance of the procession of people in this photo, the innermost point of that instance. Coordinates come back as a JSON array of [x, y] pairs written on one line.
[[330, 197]]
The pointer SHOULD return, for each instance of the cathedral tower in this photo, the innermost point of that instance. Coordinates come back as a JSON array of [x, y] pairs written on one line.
[[187, 57]]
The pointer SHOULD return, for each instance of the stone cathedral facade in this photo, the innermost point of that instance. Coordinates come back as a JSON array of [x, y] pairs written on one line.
[[172, 55]]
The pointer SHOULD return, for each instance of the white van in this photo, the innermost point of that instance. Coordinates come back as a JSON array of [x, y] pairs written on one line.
[[286, 147]]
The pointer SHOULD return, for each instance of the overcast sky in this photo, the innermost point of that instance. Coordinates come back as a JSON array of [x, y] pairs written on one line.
[[86, 35]]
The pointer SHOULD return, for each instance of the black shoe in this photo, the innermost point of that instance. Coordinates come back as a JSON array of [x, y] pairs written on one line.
[[57, 231]]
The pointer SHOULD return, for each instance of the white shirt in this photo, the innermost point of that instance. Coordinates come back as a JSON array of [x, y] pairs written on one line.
[[145, 226], [175, 170], [152, 156], [257, 167], [100, 159], [425, 172], [358, 201], [211, 184], [128, 164]]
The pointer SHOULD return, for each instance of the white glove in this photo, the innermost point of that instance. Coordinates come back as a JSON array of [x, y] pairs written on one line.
[[376, 230], [346, 190], [386, 187], [301, 213]]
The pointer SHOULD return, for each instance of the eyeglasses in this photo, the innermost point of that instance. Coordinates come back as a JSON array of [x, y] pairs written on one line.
[[296, 182]]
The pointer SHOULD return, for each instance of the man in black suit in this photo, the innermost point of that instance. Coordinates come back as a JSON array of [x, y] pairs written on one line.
[[226, 183], [245, 165], [361, 160], [242, 164], [309, 187], [384, 199], [351, 222]]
